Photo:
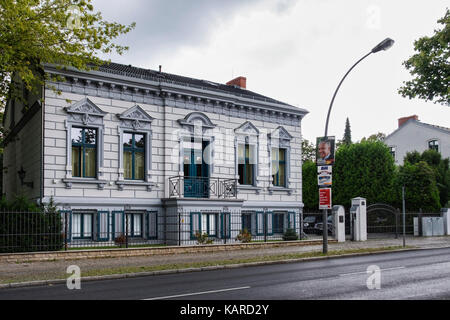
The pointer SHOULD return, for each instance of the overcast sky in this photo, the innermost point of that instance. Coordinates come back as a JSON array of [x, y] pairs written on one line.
[[295, 51]]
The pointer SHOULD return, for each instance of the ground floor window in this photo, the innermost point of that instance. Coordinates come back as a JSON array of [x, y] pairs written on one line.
[[134, 224], [82, 224], [209, 224], [247, 221], [278, 222]]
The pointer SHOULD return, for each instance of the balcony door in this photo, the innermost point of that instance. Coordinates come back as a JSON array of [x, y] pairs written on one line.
[[196, 169]]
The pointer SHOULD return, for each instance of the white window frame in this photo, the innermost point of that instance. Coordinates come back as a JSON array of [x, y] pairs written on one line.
[[247, 134], [281, 139], [85, 114]]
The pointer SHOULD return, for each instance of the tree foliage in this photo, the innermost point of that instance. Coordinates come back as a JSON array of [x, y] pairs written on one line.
[[364, 169], [421, 191], [440, 170], [430, 66], [67, 33], [308, 151], [380, 136], [348, 133], [309, 186]]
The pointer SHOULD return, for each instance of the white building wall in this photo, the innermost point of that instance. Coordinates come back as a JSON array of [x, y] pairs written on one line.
[[165, 145], [413, 136]]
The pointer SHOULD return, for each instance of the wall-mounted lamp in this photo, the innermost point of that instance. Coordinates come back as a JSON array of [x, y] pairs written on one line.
[[22, 174]]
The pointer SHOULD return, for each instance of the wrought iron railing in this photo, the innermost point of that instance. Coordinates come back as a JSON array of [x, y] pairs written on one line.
[[202, 187]]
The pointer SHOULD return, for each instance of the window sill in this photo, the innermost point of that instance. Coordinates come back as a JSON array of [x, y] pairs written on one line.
[[249, 188], [122, 183], [284, 189], [100, 183]]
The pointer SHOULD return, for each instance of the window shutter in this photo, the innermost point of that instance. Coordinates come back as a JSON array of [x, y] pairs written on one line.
[[269, 223], [196, 224], [291, 220], [117, 224], [259, 223], [152, 224], [225, 220], [102, 226]]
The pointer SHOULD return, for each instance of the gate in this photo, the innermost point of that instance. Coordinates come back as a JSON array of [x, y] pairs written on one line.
[[382, 221]]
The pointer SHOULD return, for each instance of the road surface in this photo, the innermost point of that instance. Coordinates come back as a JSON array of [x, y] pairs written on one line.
[[422, 274]]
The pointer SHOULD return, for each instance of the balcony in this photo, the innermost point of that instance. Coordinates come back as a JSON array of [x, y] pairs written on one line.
[[202, 188]]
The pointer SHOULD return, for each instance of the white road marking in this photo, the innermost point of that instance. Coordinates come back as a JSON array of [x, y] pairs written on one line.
[[197, 293], [365, 272]]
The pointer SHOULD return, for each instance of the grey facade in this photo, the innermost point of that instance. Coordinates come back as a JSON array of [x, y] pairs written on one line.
[[414, 135], [173, 113]]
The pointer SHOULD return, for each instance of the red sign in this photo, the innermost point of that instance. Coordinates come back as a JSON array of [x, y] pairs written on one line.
[[325, 198]]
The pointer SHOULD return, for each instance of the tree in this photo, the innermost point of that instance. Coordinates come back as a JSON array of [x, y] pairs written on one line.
[[67, 33], [440, 168], [364, 169], [309, 186], [308, 151], [430, 66], [348, 133], [421, 191], [380, 136]]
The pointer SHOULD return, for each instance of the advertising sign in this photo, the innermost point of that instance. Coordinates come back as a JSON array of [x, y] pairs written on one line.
[[325, 198], [325, 151], [324, 180]]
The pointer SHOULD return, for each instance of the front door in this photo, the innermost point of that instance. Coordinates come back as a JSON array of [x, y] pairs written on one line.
[[196, 169]]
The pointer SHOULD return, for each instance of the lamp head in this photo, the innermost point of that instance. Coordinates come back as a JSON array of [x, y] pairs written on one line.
[[383, 45]]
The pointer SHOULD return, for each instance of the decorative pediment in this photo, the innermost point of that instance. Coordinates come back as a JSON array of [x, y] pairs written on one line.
[[280, 133], [281, 137], [247, 129], [135, 118], [196, 120], [86, 112]]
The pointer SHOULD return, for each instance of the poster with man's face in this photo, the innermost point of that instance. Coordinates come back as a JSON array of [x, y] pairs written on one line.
[[325, 151]]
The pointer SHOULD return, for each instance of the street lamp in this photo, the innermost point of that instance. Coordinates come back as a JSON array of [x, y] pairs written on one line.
[[383, 45]]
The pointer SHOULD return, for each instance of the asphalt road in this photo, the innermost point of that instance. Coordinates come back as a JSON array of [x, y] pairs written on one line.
[[423, 274]]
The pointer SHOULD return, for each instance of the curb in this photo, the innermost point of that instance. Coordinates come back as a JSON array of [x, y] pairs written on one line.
[[208, 268]]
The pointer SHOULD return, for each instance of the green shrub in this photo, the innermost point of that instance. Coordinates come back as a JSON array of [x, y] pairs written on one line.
[[244, 236], [203, 238], [26, 227], [290, 235]]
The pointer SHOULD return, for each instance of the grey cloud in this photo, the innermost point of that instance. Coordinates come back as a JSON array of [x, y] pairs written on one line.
[[164, 25]]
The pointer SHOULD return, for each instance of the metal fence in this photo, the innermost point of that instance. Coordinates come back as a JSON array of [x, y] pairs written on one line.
[[72, 230]]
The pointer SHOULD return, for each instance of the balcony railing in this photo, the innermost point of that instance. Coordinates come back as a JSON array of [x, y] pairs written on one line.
[[202, 187]]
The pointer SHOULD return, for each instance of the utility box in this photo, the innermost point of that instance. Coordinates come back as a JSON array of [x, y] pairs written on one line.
[[446, 216], [339, 223], [359, 212], [432, 226]]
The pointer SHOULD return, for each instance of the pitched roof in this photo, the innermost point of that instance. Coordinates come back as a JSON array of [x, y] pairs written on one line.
[[147, 74], [432, 126]]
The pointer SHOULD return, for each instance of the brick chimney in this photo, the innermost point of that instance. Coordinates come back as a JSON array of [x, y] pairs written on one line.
[[402, 121], [241, 82]]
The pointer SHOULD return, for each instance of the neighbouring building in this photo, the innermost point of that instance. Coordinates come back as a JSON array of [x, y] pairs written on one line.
[[414, 135], [124, 142]]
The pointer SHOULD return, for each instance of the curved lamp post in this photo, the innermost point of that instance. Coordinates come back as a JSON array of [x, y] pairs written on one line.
[[383, 45]]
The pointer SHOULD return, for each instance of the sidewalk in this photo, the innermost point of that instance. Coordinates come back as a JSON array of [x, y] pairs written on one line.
[[19, 272]]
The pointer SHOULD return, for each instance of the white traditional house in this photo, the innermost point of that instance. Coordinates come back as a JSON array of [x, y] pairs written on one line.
[[123, 142], [414, 135]]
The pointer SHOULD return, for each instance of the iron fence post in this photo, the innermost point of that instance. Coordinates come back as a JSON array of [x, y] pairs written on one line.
[[301, 225], [126, 231], [265, 226], [65, 231], [179, 228]]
